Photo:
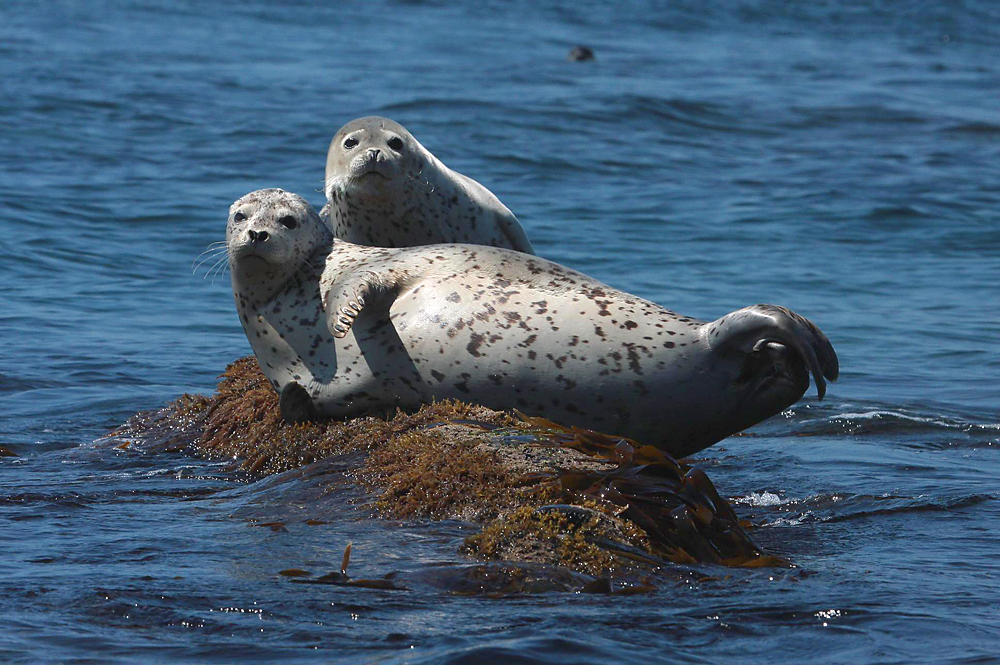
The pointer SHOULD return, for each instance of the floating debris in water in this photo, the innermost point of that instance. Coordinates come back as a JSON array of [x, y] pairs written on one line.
[[341, 578], [294, 572]]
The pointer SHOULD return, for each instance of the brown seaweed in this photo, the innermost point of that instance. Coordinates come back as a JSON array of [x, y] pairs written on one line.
[[544, 493]]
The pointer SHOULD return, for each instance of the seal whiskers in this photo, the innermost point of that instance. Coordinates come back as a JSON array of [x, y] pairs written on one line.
[[214, 250]]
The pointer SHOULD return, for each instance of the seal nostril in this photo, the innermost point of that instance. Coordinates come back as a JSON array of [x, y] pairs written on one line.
[[262, 236], [252, 234]]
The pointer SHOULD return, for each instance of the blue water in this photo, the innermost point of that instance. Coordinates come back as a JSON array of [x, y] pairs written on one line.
[[839, 158]]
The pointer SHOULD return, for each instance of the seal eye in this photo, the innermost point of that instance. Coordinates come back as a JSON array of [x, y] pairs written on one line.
[[395, 143], [288, 222], [350, 143], [239, 217]]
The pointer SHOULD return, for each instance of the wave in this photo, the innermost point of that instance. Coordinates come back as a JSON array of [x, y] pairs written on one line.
[[912, 427], [975, 128], [831, 507]]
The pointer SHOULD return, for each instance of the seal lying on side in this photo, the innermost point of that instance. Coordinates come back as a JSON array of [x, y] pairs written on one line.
[[385, 189], [340, 329]]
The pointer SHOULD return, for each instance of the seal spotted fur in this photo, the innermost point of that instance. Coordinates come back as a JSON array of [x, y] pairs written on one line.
[[340, 329], [384, 188]]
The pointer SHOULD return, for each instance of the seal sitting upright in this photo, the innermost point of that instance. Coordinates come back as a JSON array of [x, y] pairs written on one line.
[[340, 329], [385, 189]]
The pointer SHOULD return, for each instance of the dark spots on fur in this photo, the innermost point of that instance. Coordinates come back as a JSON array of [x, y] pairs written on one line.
[[568, 384], [669, 345], [629, 325], [558, 362], [633, 359], [454, 297], [476, 340], [487, 314]]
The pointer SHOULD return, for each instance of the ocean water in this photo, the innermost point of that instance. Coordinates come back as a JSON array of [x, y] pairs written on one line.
[[839, 158]]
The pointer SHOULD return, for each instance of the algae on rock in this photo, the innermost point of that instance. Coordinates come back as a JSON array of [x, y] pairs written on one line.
[[544, 493]]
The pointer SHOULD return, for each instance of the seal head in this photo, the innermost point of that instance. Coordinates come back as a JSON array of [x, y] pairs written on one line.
[[270, 236], [369, 155]]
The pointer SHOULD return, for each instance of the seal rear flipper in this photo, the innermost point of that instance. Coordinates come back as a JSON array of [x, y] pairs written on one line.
[[758, 329], [366, 291], [296, 405]]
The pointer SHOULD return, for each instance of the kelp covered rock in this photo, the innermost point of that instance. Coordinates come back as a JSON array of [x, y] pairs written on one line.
[[543, 493]]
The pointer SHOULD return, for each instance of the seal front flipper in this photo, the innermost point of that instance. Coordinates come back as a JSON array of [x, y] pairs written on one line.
[[766, 333], [347, 298], [296, 405]]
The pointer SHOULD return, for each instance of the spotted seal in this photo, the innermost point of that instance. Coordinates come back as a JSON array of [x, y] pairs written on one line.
[[385, 189], [340, 329]]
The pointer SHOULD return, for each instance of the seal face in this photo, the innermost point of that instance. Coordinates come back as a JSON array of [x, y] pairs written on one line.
[[383, 188], [340, 329]]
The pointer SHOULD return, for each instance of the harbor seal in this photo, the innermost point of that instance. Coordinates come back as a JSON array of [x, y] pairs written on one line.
[[385, 189], [340, 329]]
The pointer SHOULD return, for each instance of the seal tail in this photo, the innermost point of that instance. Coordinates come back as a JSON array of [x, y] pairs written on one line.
[[752, 328]]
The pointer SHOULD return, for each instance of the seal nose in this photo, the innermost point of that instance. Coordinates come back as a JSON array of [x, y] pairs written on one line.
[[373, 154], [257, 236]]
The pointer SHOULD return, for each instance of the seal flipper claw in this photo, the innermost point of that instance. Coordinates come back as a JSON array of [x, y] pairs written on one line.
[[357, 293], [295, 404]]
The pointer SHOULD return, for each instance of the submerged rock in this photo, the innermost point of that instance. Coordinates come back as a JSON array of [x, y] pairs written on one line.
[[545, 495]]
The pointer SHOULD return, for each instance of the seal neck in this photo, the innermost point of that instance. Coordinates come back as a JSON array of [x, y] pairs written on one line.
[[256, 283]]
